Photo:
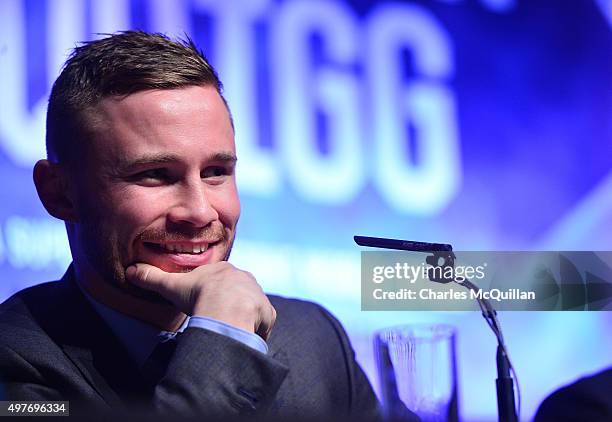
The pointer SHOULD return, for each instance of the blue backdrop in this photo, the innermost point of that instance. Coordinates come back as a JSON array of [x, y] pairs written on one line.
[[485, 124]]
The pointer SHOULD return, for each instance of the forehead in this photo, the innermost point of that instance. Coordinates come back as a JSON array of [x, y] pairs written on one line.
[[191, 122]]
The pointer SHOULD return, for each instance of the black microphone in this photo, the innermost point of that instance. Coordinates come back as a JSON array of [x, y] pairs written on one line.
[[402, 245], [442, 252]]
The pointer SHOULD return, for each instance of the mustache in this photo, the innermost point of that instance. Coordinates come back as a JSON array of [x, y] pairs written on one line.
[[209, 234]]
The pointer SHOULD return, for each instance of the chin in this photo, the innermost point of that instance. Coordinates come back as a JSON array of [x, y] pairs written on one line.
[[145, 295]]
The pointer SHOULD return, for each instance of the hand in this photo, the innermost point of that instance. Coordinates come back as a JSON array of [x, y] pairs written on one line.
[[219, 291]]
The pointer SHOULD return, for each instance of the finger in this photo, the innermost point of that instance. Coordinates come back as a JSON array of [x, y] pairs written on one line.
[[150, 277], [267, 322], [272, 321]]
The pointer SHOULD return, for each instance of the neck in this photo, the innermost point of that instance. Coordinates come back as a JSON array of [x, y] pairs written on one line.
[[164, 317]]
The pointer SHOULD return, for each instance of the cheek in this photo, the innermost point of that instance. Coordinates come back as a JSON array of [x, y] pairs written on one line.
[[138, 213], [235, 211], [227, 205], [134, 211]]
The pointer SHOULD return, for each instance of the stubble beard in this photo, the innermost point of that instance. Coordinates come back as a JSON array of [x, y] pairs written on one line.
[[104, 251]]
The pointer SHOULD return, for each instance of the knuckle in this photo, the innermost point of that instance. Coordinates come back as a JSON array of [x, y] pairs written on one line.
[[248, 277], [225, 268], [252, 277], [143, 273], [273, 313], [224, 265]]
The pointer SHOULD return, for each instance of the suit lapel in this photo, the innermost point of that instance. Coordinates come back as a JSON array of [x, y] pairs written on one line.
[[83, 360], [97, 353]]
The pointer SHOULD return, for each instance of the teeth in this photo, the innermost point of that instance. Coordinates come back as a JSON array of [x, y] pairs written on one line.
[[184, 248]]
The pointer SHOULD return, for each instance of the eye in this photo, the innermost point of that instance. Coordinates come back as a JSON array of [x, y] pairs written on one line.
[[153, 176], [216, 171]]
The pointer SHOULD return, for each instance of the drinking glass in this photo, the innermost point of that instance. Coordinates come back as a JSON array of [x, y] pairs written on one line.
[[418, 372]]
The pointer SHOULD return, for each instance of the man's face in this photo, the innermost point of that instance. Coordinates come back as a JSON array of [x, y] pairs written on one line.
[[158, 184]]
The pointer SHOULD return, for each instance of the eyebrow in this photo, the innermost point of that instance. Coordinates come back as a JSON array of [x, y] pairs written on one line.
[[125, 165]]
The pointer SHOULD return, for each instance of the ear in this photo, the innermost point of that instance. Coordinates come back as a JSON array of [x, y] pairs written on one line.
[[53, 190]]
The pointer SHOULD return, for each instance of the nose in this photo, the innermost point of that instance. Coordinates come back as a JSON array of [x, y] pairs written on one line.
[[192, 205]]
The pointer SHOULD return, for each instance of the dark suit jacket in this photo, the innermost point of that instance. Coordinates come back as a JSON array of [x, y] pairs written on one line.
[[54, 346], [588, 399]]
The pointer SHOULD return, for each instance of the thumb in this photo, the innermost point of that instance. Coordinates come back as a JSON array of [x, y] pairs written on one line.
[[150, 277]]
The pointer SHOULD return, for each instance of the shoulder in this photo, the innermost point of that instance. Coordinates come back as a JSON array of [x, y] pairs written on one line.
[[586, 399], [298, 311], [301, 321], [22, 303], [290, 305], [23, 315]]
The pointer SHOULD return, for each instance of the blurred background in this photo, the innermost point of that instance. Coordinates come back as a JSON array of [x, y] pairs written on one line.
[[482, 123]]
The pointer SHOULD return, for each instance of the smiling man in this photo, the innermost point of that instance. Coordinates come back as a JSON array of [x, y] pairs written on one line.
[[150, 315]]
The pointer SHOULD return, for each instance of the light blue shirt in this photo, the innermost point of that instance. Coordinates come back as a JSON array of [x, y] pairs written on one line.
[[140, 338]]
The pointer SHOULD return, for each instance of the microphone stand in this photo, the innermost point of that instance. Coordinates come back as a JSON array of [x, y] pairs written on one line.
[[506, 408]]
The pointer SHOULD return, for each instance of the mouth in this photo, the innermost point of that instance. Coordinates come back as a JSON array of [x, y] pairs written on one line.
[[177, 256], [190, 248]]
